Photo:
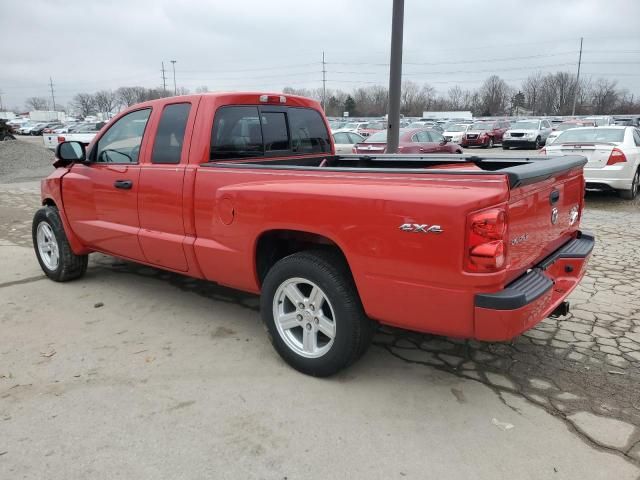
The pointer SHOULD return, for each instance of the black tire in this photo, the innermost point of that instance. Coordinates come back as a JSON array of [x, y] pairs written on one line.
[[70, 266], [490, 144], [354, 330], [504, 147], [536, 145], [635, 186]]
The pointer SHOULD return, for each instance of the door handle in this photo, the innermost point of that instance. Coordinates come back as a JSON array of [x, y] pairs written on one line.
[[422, 150], [123, 184]]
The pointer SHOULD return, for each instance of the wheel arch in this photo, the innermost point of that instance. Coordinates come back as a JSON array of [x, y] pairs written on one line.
[[276, 244]]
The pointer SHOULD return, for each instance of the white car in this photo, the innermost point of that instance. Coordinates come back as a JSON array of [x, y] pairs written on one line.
[[602, 120], [561, 127], [353, 126], [453, 133], [344, 141], [527, 133], [613, 155], [81, 133]]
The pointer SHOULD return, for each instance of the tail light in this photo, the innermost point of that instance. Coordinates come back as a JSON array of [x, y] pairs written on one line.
[[354, 149], [61, 139], [616, 157], [487, 230], [542, 151]]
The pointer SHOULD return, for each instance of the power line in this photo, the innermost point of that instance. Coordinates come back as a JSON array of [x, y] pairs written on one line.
[[175, 88]]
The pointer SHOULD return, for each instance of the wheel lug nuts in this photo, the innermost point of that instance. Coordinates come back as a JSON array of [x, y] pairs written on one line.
[[312, 307], [316, 320], [301, 305], [299, 317], [308, 326]]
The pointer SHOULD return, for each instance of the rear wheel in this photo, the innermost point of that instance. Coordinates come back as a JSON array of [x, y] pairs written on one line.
[[635, 186], [53, 251], [504, 147], [313, 314], [490, 144]]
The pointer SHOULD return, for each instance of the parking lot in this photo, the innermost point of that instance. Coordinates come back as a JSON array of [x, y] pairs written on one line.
[[139, 370]]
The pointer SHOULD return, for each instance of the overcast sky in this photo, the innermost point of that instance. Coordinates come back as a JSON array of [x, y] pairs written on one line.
[[267, 45]]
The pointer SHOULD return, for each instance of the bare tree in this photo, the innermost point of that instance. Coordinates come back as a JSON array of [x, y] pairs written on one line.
[[532, 88], [495, 94], [604, 96], [105, 101], [36, 103], [126, 96], [84, 103], [202, 89], [456, 98]]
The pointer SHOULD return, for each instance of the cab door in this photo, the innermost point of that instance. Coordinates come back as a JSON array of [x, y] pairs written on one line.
[[101, 196], [160, 194]]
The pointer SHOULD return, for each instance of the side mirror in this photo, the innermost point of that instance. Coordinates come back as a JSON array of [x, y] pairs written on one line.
[[68, 153], [444, 141]]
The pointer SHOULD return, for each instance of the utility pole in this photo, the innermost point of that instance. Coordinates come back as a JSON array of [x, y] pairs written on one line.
[[324, 84], [53, 98], [575, 94], [2, 106], [164, 81], [395, 77], [175, 89]]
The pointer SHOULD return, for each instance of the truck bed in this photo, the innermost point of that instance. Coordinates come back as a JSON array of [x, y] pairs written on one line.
[[520, 171]]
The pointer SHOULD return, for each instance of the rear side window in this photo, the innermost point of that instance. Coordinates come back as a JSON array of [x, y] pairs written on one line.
[[308, 132], [250, 131], [167, 147], [236, 133]]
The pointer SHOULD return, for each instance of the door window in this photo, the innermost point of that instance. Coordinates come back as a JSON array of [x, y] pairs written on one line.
[[121, 143], [308, 131], [236, 133], [274, 132], [341, 138], [167, 147]]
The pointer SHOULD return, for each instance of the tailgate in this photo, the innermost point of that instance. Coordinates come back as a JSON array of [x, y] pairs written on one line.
[[541, 217]]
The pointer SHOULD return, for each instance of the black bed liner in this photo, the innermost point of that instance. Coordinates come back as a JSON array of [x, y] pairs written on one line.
[[519, 170]]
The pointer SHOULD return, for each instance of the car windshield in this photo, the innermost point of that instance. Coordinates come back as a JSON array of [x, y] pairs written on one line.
[[527, 125], [456, 128], [376, 126], [377, 137], [417, 125], [591, 135], [480, 126], [353, 125]]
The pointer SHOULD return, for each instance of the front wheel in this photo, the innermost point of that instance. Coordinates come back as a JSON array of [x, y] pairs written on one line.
[[632, 193], [53, 251], [313, 314], [536, 145], [505, 147], [490, 144]]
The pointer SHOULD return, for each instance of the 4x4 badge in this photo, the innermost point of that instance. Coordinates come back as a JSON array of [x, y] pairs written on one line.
[[420, 228]]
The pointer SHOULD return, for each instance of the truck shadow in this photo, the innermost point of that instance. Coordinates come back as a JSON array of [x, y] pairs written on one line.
[[550, 366]]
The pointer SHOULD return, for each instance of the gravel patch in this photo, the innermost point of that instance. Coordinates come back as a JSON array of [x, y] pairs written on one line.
[[22, 161]]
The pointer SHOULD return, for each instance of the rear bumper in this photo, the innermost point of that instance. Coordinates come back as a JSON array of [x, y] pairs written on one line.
[[618, 177], [533, 296]]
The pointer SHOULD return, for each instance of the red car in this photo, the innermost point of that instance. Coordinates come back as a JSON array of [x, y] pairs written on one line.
[[412, 140], [371, 128], [485, 134], [245, 190]]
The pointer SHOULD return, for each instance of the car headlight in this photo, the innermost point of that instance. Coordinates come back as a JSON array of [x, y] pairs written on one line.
[[507, 134]]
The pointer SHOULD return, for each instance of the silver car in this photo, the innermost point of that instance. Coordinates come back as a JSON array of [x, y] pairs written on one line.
[[527, 133]]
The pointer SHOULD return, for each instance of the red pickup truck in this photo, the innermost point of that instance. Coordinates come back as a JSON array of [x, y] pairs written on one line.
[[244, 189]]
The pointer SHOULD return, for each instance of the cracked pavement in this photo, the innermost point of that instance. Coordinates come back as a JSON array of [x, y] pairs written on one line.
[[583, 369]]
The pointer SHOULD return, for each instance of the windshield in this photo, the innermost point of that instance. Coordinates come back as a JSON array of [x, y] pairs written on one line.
[[376, 126], [377, 137], [480, 126], [526, 125], [456, 128], [354, 125], [591, 135]]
